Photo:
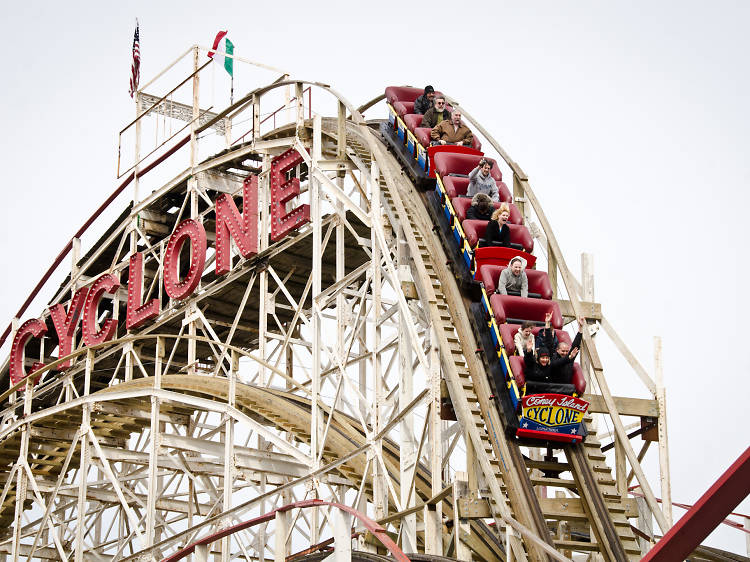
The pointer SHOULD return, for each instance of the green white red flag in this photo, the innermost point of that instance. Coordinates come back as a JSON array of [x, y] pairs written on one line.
[[223, 46]]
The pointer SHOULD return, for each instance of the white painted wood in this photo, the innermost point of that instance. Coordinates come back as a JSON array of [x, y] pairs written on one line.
[[661, 397]]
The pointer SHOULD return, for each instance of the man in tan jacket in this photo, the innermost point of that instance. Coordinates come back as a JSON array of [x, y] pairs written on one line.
[[452, 132]]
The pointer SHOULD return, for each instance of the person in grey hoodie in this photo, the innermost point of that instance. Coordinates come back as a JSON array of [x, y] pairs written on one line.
[[480, 181], [513, 278]]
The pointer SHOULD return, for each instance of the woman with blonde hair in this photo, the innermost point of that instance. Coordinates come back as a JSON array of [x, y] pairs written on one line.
[[498, 233]]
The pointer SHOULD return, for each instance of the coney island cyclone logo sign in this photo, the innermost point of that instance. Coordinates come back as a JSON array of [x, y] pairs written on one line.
[[552, 412]]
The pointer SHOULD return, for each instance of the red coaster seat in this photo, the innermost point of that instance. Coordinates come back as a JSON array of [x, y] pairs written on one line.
[[538, 280], [519, 234], [461, 206]]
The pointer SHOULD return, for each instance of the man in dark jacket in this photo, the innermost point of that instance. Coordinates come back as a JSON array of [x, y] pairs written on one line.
[[436, 114], [425, 101], [539, 373], [564, 355]]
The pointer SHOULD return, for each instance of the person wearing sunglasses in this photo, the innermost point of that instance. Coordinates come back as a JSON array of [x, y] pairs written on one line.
[[436, 114]]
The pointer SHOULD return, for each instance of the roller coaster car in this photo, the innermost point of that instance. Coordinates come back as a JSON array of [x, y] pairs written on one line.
[[551, 416], [542, 416], [410, 142], [546, 416]]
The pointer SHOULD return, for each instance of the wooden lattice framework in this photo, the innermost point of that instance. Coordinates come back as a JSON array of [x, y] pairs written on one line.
[[220, 409]]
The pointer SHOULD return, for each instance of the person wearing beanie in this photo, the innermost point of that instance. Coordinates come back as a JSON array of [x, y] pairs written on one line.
[[513, 278], [425, 101], [539, 375], [538, 369], [481, 208]]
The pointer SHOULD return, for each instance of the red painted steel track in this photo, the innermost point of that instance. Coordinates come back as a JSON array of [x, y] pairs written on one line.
[[378, 531], [713, 506]]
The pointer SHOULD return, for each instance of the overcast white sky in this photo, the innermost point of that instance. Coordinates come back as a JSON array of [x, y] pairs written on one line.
[[630, 118]]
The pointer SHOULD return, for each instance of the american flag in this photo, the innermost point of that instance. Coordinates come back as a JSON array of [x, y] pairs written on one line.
[[135, 68]]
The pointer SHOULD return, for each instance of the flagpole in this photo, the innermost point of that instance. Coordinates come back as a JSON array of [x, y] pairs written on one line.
[[231, 91]]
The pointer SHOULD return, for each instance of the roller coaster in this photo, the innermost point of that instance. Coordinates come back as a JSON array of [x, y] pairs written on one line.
[[286, 347]]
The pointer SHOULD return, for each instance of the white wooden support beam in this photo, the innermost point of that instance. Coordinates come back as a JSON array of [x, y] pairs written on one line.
[[645, 524], [201, 552], [587, 294], [154, 447], [85, 459], [342, 535], [341, 132], [434, 514], [299, 103], [256, 119], [281, 550], [461, 529], [661, 398], [21, 475], [229, 453], [316, 417], [196, 110], [408, 448], [338, 194]]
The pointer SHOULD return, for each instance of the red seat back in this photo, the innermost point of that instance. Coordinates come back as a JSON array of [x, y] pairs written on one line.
[[403, 108], [461, 206], [455, 186], [518, 367], [453, 163], [423, 135], [413, 120], [518, 308], [579, 381], [538, 280], [500, 255], [402, 93], [508, 333], [519, 234]]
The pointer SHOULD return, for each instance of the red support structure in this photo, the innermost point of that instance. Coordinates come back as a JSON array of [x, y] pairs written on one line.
[[726, 493], [377, 530]]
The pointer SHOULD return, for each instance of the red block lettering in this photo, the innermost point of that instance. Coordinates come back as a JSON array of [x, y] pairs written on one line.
[[138, 314], [30, 329], [66, 323], [283, 191], [92, 334], [187, 229], [231, 224]]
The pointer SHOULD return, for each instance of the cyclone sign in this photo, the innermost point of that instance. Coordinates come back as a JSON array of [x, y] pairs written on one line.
[[554, 413]]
